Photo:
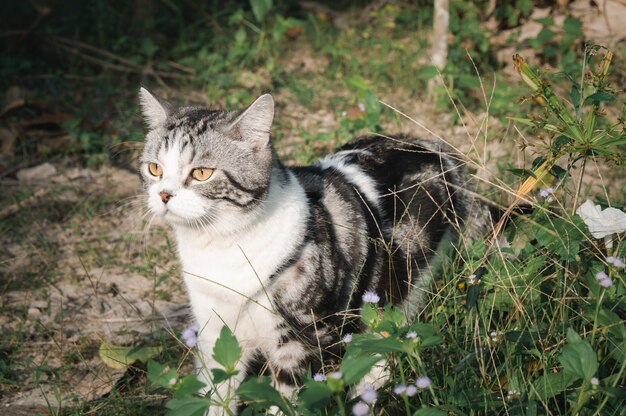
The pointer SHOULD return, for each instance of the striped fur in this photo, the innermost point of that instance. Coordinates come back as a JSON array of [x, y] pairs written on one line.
[[283, 255]]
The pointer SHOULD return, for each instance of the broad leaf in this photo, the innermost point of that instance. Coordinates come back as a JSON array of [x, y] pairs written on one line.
[[226, 350]]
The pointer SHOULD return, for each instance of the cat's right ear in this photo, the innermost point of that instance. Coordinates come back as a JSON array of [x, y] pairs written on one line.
[[155, 110]]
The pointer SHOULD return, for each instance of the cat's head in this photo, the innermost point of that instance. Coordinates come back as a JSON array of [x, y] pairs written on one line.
[[206, 168]]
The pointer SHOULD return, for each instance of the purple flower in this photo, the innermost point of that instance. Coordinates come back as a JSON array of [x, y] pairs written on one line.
[[601, 275], [189, 335], [399, 389], [615, 261], [606, 282], [369, 395], [360, 409], [411, 390], [319, 377], [544, 193], [370, 297], [336, 375], [411, 335], [346, 338], [422, 382]]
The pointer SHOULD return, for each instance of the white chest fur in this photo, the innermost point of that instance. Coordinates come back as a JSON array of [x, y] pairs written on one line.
[[225, 275]]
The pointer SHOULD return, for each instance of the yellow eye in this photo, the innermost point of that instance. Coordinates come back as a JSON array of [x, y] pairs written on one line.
[[201, 174], [155, 170]]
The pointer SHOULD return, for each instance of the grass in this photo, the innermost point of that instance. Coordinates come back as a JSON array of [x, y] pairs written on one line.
[[526, 337]]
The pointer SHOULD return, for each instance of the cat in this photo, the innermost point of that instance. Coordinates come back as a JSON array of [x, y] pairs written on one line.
[[284, 255]]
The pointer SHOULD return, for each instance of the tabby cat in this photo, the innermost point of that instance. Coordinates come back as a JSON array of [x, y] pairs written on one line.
[[283, 255]]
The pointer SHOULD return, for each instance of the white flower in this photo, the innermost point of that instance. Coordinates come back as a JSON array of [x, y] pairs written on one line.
[[361, 106], [602, 222], [411, 335], [370, 297], [336, 375], [594, 381], [360, 409], [615, 261], [399, 389], [422, 382], [411, 390], [346, 338], [607, 282], [319, 377], [472, 280], [602, 275], [369, 394], [544, 193]]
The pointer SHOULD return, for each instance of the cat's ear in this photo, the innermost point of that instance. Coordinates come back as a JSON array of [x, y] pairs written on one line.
[[154, 108], [255, 122]]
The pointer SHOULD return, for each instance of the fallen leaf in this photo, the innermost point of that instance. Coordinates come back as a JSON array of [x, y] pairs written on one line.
[[121, 357]]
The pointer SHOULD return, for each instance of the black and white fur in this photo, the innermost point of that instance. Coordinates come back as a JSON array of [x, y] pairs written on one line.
[[283, 255]]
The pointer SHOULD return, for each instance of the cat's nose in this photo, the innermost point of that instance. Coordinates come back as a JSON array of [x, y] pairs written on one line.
[[165, 196]]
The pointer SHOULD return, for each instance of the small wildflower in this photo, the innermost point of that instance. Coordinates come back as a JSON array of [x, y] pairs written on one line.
[[189, 335], [411, 390], [411, 335], [594, 381], [422, 382], [399, 389], [172, 381], [360, 409], [601, 275], [361, 106], [615, 261], [545, 193], [512, 394], [606, 282], [472, 280], [370, 297], [336, 375], [343, 114], [346, 338], [369, 395], [319, 377], [495, 336]]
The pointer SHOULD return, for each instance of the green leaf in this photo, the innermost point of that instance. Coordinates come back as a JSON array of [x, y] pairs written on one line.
[[354, 368], [429, 411], [187, 387], [258, 391], [427, 72], [260, 8], [431, 341], [220, 375], [373, 344], [356, 83], [551, 384], [227, 350], [192, 406], [160, 374], [611, 320], [599, 97], [578, 358], [471, 299], [315, 395], [121, 357]]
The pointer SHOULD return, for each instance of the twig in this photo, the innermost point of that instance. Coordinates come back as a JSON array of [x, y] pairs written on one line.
[[13, 208]]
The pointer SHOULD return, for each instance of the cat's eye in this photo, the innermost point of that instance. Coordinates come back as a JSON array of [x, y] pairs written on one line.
[[201, 174], [155, 169]]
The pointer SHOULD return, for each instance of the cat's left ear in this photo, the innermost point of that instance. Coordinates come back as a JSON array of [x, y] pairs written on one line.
[[255, 122]]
